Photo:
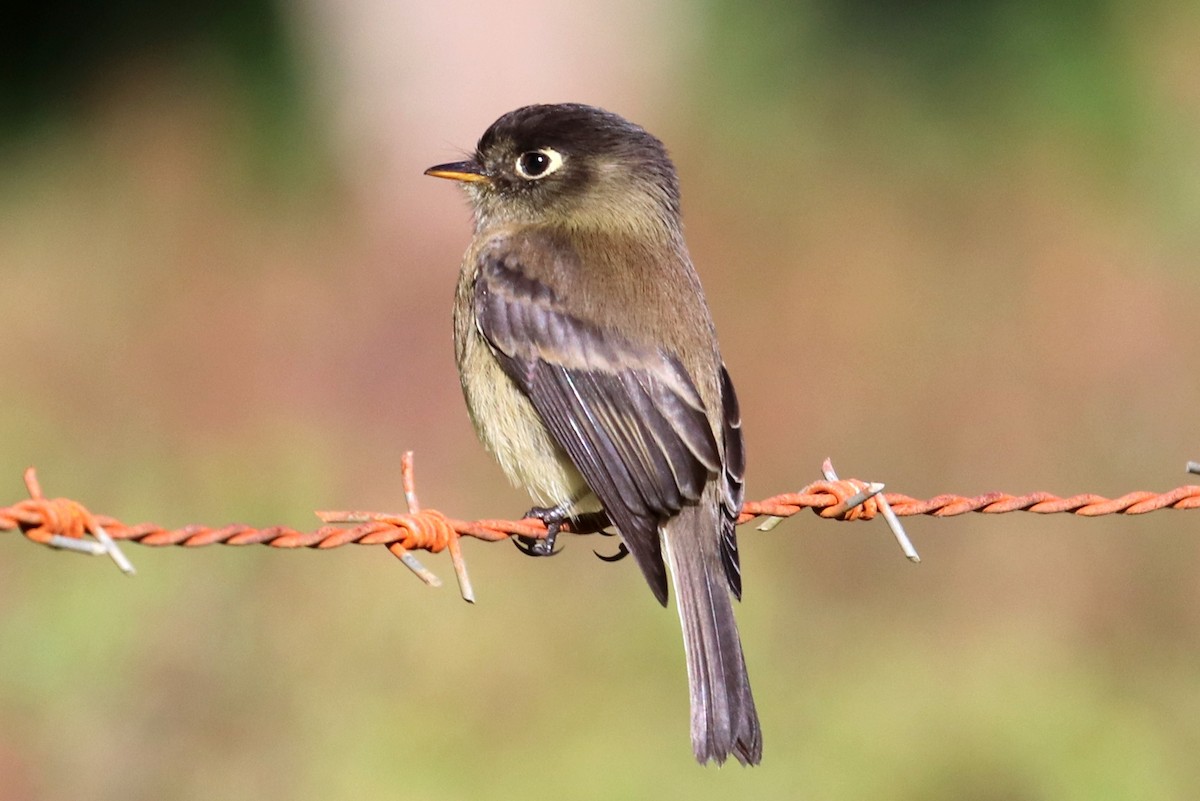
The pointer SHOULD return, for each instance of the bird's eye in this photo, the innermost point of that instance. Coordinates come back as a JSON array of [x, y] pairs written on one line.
[[536, 164]]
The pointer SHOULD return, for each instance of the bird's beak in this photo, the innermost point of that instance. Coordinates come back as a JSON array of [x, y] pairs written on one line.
[[469, 171]]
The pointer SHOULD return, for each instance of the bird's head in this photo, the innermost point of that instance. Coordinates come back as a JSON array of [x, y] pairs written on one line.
[[568, 164]]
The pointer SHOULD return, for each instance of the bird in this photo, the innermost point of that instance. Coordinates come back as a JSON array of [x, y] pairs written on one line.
[[591, 372]]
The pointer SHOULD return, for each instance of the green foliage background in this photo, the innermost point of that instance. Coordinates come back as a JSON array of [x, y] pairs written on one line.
[[952, 245]]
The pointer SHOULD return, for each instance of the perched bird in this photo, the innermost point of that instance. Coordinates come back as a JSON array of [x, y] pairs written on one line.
[[591, 371]]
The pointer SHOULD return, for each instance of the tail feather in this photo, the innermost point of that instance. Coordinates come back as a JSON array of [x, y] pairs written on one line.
[[724, 720]]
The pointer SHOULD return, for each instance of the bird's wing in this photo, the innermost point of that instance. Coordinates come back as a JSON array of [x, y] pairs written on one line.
[[627, 414], [733, 489]]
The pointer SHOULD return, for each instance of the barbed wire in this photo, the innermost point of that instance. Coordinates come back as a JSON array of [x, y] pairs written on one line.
[[65, 523]]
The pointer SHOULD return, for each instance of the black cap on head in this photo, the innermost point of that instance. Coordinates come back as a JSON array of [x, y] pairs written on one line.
[[572, 126], [587, 135]]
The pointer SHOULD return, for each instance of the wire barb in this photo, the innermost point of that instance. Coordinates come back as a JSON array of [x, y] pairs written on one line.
[[62, 523], [870, 492], [429, 530], [453, 543]]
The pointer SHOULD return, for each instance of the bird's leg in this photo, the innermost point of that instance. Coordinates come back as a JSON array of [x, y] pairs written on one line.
[[553, 517]]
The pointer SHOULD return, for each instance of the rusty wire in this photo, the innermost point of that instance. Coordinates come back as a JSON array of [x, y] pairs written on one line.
[[63, 523]]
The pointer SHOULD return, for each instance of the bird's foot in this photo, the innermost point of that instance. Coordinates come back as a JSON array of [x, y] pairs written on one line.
[[553, 517]]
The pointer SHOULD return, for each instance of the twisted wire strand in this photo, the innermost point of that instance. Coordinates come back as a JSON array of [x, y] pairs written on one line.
[[39, 517], [62, 522]]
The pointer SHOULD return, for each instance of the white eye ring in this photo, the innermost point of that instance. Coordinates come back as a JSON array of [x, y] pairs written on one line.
[[535, 164]]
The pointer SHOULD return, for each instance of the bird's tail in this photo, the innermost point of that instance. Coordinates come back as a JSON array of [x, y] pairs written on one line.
[[724, 720]]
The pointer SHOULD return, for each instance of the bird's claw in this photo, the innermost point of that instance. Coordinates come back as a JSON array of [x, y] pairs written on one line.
[[621, 553], [534, 546]]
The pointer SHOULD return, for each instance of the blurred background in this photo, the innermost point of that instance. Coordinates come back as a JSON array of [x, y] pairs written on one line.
[[952, 245]]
